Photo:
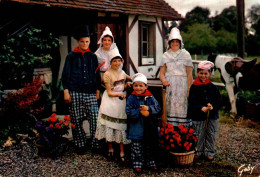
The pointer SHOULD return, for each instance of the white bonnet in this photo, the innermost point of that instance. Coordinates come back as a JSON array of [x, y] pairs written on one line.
[[105, 32], [175, 34], [114, 53], [139, 77]]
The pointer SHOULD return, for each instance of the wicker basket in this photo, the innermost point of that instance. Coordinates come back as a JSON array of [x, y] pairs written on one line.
[[183, 158]]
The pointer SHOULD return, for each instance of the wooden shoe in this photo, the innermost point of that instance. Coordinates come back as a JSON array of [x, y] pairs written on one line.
[[110, 156], [210, 158], [138, 170], [154, 168]]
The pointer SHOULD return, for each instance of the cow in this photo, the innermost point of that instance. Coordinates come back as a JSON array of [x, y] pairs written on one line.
[[237, 73]]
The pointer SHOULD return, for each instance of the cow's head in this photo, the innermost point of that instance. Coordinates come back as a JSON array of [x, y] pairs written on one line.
[[239, 65]]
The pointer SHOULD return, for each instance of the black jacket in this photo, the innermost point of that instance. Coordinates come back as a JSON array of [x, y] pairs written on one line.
[[79, 72], [200, 96]]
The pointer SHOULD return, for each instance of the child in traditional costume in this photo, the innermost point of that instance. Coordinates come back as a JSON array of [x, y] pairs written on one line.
[[142, 109], [112, 117], [204, 104], [176, 73], [81, 82]]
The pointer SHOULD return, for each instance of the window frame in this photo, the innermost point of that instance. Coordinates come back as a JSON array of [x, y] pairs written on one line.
[[149, 26]]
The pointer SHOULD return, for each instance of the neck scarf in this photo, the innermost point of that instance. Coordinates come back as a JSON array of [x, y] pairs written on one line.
[[146, 93], [78, 50], [197, 81]]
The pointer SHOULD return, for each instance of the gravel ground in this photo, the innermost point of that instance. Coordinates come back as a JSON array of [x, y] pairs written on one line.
[[235, 146]]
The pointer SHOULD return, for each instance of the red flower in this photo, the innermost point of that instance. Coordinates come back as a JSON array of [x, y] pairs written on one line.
[[180, 126], [53, 115], [170, 126], [57, 126], [184, 130], [170, 130], [187, 148], [191, 130], [172, 145], [52, 119], [67, 118], [167, 147], [178, 140], [51, 125], [72, 125], [186, 144], [171, 140]]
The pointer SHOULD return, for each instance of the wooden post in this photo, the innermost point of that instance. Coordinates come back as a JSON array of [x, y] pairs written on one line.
[[164, 110], [241, 27], [195, 66], [127, 63]]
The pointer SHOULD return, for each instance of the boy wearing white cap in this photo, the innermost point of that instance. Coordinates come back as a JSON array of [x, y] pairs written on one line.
[[141, 109], [204, 104]]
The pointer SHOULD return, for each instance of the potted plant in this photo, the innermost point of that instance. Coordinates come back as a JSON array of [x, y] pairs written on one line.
[[49, 135], [179, 141]]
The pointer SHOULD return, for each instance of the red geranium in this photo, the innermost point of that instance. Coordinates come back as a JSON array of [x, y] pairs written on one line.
[[178, 139]]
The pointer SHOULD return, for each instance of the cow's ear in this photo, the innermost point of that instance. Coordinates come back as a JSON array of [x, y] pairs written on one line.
[[248, 66], [254, 61], [230, 68]]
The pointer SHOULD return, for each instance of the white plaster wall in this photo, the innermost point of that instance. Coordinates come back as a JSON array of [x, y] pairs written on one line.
[[64, 51], [149, 71]]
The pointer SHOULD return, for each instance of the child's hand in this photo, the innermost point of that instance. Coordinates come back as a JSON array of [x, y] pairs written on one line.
[[145, 113], [98, 94], [210, 107], [204, 109], [128, 84], [122, 97], [67, 97], [166, 83], [144, 108]]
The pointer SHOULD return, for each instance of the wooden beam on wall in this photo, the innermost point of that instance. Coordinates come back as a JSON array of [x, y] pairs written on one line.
[[132, 64], [129, 61], [159, 28], [127, 48], [133, 23]]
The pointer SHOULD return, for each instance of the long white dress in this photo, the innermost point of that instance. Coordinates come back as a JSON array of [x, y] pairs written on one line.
[[176, 93], [111, 124]]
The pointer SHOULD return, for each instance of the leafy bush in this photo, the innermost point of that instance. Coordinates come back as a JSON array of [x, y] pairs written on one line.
[[19, 110], [23, 52]]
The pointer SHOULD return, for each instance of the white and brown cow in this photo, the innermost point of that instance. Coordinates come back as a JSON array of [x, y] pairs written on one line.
[[237, 73]]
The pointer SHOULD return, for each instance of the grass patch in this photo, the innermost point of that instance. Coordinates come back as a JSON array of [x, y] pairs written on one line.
[[226, 118]]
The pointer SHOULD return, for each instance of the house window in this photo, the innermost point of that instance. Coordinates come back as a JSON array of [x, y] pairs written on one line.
[[147, 43]]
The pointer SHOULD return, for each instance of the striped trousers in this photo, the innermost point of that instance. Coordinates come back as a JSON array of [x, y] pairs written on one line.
[[207, 136], [83, 103], [140, 153]]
